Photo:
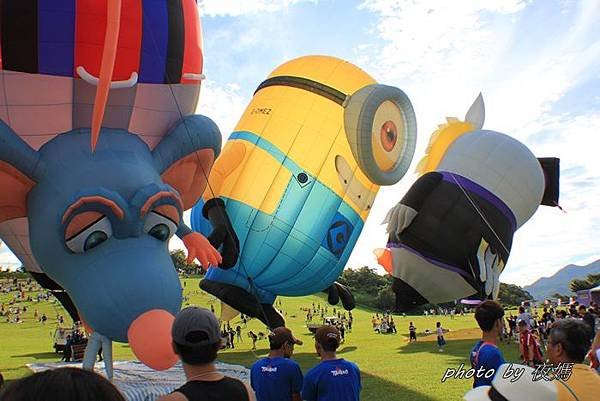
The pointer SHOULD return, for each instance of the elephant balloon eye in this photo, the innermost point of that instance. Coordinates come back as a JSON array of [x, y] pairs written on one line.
[[90, 237], [160, 232], [94, 239], [160, 227]]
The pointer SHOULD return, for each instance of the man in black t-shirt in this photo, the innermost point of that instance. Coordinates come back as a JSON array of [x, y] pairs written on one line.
[[196, 340]]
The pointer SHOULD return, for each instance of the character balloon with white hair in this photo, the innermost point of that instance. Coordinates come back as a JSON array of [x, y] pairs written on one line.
[[451, 234]]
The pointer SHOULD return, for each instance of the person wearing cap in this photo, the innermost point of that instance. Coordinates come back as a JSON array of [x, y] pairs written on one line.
[[196, 340], [333, 379], [277, 377], [508, 387], [568, 343], [489, 315]]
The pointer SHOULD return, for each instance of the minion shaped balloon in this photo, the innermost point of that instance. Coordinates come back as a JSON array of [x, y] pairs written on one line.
[[451, 234], [288, 197]]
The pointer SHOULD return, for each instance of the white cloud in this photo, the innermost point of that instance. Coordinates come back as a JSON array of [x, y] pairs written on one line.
[[234, 8], [552, 239], [223, 104], [435, 38], [443, 53], [7, 259]]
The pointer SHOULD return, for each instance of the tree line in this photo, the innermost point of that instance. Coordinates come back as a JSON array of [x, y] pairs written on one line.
[[375, 291], [591, 281]]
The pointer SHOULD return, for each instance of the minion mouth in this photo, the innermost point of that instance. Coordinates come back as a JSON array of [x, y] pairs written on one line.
[[362, 196]]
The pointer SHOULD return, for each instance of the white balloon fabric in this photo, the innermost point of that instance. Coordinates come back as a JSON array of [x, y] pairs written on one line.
[[451, 234]]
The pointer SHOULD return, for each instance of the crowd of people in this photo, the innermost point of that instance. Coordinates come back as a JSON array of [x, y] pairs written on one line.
[[342, 319], [384, 324], [568, 338], [23, 292], [546, 338], [197, 340]]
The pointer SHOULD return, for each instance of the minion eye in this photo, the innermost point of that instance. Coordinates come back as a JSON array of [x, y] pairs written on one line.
[[387, 135], [381, 128]]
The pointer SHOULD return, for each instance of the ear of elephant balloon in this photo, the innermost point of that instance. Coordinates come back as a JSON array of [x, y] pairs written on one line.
[[476, 113]]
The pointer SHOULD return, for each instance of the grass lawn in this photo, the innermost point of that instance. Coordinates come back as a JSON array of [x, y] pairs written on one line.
[[392, 369]]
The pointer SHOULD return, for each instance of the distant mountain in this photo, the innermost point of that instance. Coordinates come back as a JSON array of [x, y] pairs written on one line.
[[559, 283]]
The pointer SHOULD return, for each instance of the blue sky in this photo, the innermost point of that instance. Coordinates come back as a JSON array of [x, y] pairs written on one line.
[[536, 62]]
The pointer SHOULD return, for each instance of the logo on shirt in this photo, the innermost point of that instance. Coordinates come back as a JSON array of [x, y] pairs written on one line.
[[339, 371], [269, 368]]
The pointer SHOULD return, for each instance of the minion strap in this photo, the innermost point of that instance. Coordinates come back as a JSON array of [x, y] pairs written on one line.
[[305, 84]]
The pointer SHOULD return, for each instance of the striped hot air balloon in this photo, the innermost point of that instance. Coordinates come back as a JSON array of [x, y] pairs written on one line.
[[100, 152]]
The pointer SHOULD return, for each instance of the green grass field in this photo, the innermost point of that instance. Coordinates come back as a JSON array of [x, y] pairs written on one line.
[[392, 369]]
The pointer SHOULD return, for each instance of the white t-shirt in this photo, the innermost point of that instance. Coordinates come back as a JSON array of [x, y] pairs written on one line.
[[440, 332], [526, 316]]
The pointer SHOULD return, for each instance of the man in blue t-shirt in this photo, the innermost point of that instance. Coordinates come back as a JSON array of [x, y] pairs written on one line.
[[332, 379], [486, 357], [277, 377]]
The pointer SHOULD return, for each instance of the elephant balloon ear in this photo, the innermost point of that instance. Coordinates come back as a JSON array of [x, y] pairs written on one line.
[[476, 113], [185, 156], [18, 164]]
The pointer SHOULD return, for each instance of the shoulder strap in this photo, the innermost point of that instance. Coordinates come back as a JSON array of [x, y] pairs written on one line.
[[475, 360], [569, 389]]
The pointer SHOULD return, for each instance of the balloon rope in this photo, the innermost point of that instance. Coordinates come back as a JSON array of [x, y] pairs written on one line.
[[480, 213], [253, 288]]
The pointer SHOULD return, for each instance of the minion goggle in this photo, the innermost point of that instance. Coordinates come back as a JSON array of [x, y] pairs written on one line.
[[379, 122]]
